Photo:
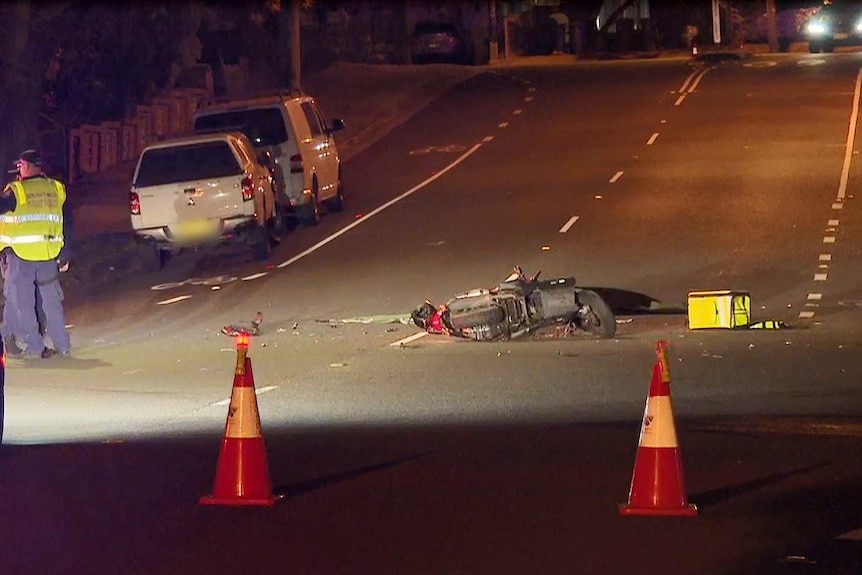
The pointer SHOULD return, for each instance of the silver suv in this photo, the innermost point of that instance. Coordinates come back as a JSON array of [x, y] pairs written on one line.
[[291, 128], [204, 190]]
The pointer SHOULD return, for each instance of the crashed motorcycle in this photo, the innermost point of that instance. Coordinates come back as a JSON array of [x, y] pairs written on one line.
[[516, 307]]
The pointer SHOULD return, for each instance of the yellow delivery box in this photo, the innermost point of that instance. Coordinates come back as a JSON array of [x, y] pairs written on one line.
[[718, 309]]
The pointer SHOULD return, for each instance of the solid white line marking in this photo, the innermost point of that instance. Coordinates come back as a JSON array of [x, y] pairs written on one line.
[[379, 209], [829, 240], [690, 84], [652, 139], [173, 300], [851, 135], [823, 267], [688, 79], [820, 277], [837, 206], [815, 296], [806, 314], [407, 340], [568, 224], [825, 257], [832, 223], [254, 276], [616, 177], [487, 139], [700, 76]]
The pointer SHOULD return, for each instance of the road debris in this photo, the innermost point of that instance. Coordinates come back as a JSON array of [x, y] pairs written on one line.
[[244, 329]]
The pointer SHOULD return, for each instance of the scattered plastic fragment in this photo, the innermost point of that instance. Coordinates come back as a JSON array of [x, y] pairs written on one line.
[[238, 329]]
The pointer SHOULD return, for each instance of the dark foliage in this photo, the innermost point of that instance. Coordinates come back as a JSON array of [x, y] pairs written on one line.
[[105, 54]]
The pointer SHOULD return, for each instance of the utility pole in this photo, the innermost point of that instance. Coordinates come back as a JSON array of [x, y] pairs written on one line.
[[492, 30], [772, 28], [295, 46]]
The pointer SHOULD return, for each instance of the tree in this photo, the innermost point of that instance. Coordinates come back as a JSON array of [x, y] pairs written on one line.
[[772, 29], [21, 76], [66, 63]]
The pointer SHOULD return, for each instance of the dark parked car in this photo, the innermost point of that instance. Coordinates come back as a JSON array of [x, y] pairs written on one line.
[[835, 24], [437, 42]]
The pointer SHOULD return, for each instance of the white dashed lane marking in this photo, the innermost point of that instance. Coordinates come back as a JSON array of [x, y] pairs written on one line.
[[838, 204], [174, 300], [255, 276], [409, 339], [568, 224]]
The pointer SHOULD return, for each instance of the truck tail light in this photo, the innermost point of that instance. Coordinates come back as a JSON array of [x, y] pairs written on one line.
[[296, 164], [247, 185], [134, 203]]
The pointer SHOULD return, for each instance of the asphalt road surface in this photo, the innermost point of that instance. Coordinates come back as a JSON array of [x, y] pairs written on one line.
[[644, 179]]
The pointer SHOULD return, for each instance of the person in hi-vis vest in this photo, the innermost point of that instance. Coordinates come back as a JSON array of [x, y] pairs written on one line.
[[32, 232], [10, 323]]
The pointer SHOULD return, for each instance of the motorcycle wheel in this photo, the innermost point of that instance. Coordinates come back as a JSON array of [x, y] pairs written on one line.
[[597, 319]]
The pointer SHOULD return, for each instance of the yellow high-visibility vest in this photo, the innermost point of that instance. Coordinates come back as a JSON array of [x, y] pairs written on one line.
[[34, 229]]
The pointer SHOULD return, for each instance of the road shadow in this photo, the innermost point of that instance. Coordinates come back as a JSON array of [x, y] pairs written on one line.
[[303, 487], [716, 496], [624, 302]]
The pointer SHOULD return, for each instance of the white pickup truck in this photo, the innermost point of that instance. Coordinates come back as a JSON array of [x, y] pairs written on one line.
[[204, 190]]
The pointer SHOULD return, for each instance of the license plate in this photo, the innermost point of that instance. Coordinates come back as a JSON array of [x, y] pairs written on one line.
[[195, 228]]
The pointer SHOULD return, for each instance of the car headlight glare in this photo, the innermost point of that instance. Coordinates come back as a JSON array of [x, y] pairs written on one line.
[[816, 28]]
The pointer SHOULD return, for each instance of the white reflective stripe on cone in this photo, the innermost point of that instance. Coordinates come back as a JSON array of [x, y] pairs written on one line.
[[243, 420], [658, 429]]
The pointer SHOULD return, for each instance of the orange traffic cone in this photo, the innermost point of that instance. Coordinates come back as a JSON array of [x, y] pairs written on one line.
[[242, 476], [657, 483]]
